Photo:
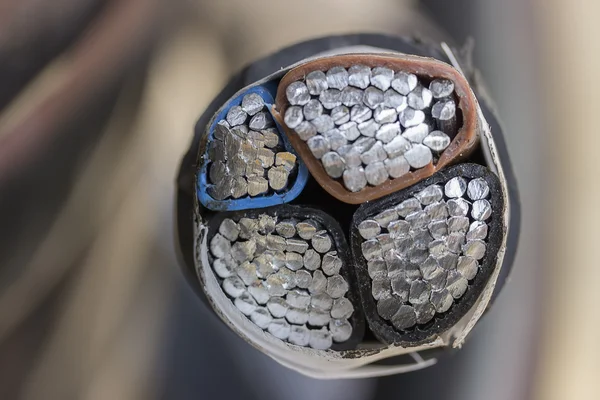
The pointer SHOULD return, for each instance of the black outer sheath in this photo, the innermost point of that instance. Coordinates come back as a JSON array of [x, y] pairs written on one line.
[[185, 191]]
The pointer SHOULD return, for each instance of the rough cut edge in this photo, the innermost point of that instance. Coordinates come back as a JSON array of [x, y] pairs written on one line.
[[489, 290], [492, 160]]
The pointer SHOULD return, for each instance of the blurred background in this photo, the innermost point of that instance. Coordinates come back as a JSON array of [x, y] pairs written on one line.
[[98, 100]]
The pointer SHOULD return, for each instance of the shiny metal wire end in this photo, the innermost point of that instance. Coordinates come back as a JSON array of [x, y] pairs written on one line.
[[424, 252], [288, 275], [370, 108], [244, 151], [352, 101], [247, 162]]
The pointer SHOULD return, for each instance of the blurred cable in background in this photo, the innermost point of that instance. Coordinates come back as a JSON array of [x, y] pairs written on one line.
[[98, 100]]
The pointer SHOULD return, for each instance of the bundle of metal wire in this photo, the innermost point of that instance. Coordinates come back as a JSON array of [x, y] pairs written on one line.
[[389, 137]]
